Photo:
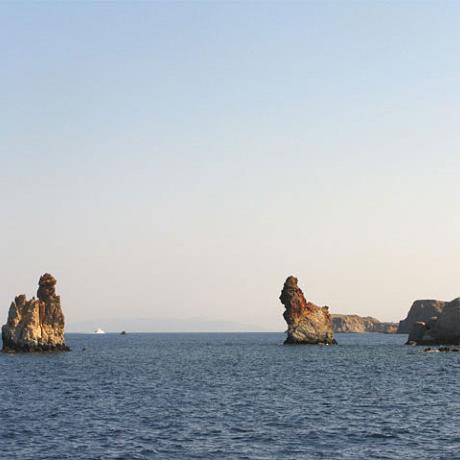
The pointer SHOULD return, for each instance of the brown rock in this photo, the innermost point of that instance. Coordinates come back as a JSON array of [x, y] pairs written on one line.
[[307, 323], [36, 324]]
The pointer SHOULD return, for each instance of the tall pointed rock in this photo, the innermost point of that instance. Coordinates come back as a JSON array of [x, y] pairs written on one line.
[[307, 323], [36, 324]]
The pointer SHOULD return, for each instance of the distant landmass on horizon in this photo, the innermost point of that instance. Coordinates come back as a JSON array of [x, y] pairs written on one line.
[[163, 325]]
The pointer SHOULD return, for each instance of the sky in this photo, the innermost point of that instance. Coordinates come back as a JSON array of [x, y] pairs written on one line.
[[175, 162]]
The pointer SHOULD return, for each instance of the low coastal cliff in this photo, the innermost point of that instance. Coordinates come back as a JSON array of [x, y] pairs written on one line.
[[355, 323]]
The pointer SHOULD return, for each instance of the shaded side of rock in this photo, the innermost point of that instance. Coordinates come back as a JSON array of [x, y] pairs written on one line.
[[36, 324], [307, 322], [421, 310], [439, 330], [360, 324]]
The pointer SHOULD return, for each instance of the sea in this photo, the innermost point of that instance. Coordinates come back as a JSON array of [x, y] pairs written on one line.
[[230, 396]]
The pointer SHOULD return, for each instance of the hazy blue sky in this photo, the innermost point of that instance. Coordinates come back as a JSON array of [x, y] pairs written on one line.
[[180, 160]]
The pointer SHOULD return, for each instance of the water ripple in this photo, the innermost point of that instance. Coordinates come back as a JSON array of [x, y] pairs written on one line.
[[230, 396]]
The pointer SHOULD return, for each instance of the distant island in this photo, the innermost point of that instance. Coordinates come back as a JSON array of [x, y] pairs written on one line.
[[162, 324]]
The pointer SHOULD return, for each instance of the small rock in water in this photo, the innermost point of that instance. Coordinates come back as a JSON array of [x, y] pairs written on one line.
[[446, 349], [440, 349]]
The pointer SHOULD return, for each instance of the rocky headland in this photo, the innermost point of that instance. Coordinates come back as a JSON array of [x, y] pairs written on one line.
[[442, 329], [421, 310], [307, 322], [355, 323], [36, 324]]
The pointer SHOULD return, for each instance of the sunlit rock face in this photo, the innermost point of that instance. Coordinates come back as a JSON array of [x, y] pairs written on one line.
[[439, 330], [36, 324], [355, 323], [307, 323], [421, 310]]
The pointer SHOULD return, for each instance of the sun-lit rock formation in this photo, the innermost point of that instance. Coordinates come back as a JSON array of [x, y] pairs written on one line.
[[421, 310], [36, 324], [438, 330], [355, 323], [307, 323]]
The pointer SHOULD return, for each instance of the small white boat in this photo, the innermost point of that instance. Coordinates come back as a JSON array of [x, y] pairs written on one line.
[[99, 331]]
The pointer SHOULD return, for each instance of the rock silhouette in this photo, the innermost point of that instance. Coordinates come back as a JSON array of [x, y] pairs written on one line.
[[439, 330], [307, 322], [421, 310], [36, 324]]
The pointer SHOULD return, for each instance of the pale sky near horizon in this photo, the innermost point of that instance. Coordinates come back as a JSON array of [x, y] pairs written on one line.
[[182, 159]]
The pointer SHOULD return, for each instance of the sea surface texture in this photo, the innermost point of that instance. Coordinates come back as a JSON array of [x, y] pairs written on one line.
[[230, 396]]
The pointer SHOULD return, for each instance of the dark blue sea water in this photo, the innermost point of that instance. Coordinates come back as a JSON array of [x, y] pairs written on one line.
[[230, 396]]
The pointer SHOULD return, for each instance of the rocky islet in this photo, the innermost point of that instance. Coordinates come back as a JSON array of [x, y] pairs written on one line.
[[36, 325], [307, 323]]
